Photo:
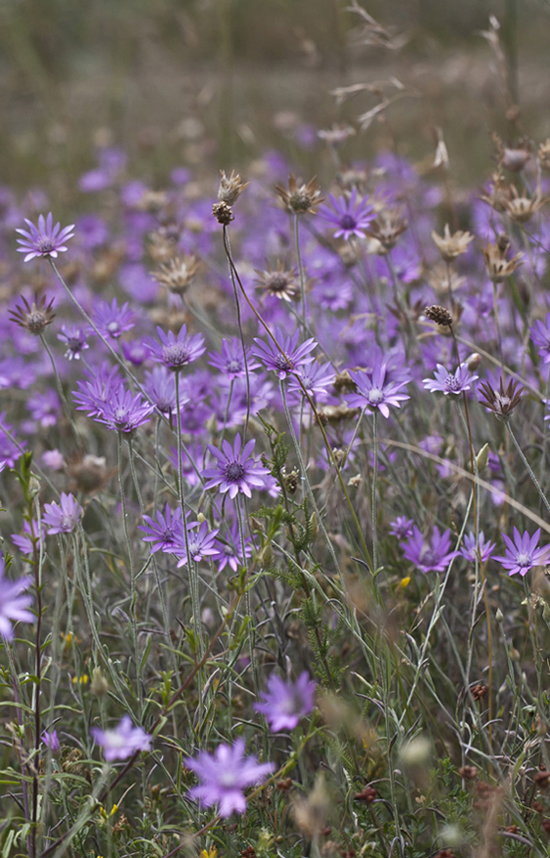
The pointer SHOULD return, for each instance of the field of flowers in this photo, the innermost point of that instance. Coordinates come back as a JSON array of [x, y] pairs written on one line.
[[275, 489]]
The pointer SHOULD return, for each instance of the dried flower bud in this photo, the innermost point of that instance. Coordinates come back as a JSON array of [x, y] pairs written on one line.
[[502, 402], [473, 361], [387, 228], [100, 683], [33, 317], [278, 282], [439, 315], [498, 267], [478, 691], [291, 480], [469, 773], [231, 187], [300, 199], [451, 246], [177, 274], [223, 213], [284, 785], [368, 794], [544, 155]]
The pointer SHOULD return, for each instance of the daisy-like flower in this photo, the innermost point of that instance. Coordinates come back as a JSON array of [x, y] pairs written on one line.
[[523, 553], [124, 412], [13, 605], [316, 378], [288, 357], [373, 391], [160, 387], [277, 282], [540, 334], [112, 320], [123, 741], [175, 352], [237, 470], [402, 527], [469, 551], [34, 317], [224, 775], [51, 741], [44, 240], [166, 533], [74, 338], [93, 394], [429, 557], [284, 703], [229, 551], [63, 517], [201, 545], [349, 216], [450, 382], [230, 360], [26, 542]]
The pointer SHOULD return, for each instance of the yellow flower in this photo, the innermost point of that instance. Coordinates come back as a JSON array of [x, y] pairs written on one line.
[[80, 680], [209, 853], [405, 582]]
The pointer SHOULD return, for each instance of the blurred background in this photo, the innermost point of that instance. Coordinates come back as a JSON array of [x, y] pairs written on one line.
[[213, 83]]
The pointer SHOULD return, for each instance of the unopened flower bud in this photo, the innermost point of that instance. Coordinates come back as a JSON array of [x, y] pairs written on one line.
[[100, 683], [265, 557], [499, 616], [313, 525], [473, 361], [201, 517], [34, 486], [482, 457]]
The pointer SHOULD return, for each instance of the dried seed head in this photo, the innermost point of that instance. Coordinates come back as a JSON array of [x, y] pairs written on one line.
[[231, 187], [152, 201], [439, 315], [451, 246], [387, 228], [163, 244], [337, 135], [300, 199], [479, 691], [442, 279], [469, 773], [335, 414], [90, 473], [353, 177], [522, 208], [502, 402], [177, 274], [513, 158], [498, 267], [278, 282], [223, 213], [291, 481], [33, 317], [544, 155]]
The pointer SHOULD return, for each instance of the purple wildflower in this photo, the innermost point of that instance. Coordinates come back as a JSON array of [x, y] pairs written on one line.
[[433, 557], [447, 382], [124, 412], [64, 517], [51, 741], [175, 352], [10, 449], [44, 240], [540, 334], [229, 551], [123, 741], [237, 470], [224, 775], [288, 356], [315, 378], [26, 542], [373, 391], [166, 533], [13, 606], [93, 394], [45, 408], [201, 544], [230, 360], [468, 550], [402, 527], [75, 340], [112, 320], [522, 554], [349, 216], [160, 387], [284, 703]]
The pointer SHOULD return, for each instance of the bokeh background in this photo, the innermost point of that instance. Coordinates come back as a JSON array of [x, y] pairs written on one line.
[[212, 83]]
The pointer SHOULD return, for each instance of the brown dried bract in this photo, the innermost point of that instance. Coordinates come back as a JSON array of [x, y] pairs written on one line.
[[300, 199], [502, 402], [33, 317], [451, 246], [279, 282], [498, 267], [231, 187], [178, 273], [387, 228]]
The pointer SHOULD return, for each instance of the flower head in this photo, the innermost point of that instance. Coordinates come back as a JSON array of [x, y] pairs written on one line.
[[166, 533], [112, 320], [34, 317], [469, 550], [284, 703], [350, 216], [402, 527], [502, 402], [63, 517], [123, 741], [224, 775], [277, 282], [498, 267], [451, 246], [175, 352], [374, 392], [51, 741], [74, 338], [229, 551], [201, 544], [44, 240], [92, 395], [231, 359], [236, 470], [284, 356], [124, 412], [177, 273], [13, 605], [522, 554], [429, 557], [540, 334], [299, 199], [449, 382]]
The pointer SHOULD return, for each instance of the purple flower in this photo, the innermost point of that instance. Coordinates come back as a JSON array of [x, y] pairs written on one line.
[[160, 387], [402, 527], [284, 703], [175, 352], [289, 357], [236, 471], [123, 741], [93, 395], [26, 542], [373, 391], [124, 412], [112, 320], [45, 407], [75, 340], [433, 557], [201, 544], [46, 240], [13, 606], [230, 360], [224, 775], [315, 378], [64, 517], [468, 550], [447, 382], [10, 451], [166, 533], [229, 551], [349, 216], [522, 554], [540, 334], [51, 741]]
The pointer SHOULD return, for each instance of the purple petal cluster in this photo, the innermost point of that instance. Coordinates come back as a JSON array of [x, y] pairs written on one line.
[[173, 351], [122, 742], [523, 552], [429, 556], [284, 703], [62, 517], [13, 604], [237, 470], [44, 240]]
